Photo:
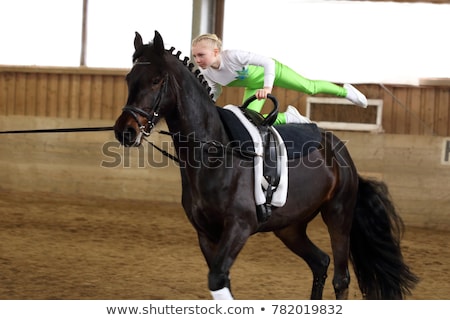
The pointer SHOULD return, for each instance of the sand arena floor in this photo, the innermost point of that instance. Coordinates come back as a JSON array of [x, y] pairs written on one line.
[[61, 247]]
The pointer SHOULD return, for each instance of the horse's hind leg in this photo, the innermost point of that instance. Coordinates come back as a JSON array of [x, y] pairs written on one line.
[[339, 224], [296, 239]]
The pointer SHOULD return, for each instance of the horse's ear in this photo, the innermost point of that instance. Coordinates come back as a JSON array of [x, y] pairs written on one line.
[[138, 41], [158, 43]]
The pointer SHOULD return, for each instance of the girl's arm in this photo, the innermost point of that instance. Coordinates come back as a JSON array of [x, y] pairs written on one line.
[[250, 58]]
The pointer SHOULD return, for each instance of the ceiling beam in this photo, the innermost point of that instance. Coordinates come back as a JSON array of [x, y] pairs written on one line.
[[207, 17], [84, 34]]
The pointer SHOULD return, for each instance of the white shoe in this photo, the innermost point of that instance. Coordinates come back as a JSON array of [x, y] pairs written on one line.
[[293, 116], [355, 96]]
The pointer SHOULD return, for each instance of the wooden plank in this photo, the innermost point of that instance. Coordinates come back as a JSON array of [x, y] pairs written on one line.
[[448, 108], [96, 97], [442, 116], [30, 94], [107, 97], [293, 98], [368, 115], [282, 99], [230, 96], [41, 94], [52, 95], [414, 116], [85, 96], [395, 109], [19, 99], [428, 111], [10, 88], [402, 108], [371, 92], [119, 97], [74, 99], [63, 96], [302, 103], [376, 92], [387, 109], [3, 94]]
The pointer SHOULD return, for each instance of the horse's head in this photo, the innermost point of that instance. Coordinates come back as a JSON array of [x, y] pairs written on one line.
[[149, 97]]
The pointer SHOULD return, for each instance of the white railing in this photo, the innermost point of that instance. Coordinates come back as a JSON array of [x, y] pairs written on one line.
[[353, 126]]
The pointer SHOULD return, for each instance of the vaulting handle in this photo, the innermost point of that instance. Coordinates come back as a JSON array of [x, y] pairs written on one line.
[[272, 116]]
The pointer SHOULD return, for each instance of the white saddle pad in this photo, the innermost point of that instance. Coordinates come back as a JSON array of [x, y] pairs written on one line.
[[280, 195]]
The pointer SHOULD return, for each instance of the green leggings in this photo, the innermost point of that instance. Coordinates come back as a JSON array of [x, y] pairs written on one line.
[[285, 78]]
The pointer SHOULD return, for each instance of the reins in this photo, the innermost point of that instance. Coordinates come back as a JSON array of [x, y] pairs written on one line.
[[218, 145], [87, 129]]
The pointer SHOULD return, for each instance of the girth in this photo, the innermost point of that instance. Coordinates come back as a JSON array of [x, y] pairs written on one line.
[[271, 165]]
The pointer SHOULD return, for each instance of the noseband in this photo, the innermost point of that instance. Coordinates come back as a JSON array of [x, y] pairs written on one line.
[[135, 112]]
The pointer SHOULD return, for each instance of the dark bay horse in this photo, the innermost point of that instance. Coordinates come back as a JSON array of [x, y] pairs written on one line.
[[218, 192]]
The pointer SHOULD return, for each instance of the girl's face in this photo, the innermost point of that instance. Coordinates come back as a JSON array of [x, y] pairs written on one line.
[[205, 55]]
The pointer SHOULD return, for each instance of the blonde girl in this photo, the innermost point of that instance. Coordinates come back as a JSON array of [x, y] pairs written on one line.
[[258, 74]]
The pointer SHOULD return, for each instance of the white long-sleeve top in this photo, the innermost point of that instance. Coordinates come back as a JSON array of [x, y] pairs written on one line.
[[233, 66]]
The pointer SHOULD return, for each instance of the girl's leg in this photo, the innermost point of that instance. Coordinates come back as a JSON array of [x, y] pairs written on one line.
[[289, 79]]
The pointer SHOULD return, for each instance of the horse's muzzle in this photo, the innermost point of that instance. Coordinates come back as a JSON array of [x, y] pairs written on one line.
[[128, 137], [127, 132]]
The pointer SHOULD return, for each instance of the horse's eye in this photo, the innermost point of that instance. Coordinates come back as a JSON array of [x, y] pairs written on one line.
[[156, 81]]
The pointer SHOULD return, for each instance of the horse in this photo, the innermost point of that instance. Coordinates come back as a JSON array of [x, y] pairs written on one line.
[[218, 187]]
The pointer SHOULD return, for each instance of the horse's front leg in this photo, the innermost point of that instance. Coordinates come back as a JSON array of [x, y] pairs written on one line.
[[220, 256]]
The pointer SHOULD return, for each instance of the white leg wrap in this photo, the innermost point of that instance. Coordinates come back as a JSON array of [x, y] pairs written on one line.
[[222, 294]]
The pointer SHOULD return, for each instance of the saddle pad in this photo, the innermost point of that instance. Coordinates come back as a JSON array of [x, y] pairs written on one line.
[[299, 138], [280, 194]]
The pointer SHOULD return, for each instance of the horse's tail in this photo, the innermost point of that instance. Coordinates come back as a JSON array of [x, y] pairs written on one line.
[[375, 245]]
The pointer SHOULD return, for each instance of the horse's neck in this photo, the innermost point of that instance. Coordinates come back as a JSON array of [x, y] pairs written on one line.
[[198, 119], [198, 123], [195, 118]]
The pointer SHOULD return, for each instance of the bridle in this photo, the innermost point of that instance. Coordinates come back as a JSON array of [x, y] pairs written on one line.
[[135, 112], [146, 129]]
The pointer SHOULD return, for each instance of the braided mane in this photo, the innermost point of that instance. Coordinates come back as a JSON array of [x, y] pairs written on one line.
[[191, 66]]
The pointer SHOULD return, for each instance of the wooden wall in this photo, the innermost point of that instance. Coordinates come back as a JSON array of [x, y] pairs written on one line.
[[89, 93], [75, 93]]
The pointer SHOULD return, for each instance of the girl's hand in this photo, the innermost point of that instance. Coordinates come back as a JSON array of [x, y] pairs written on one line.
[[262, 93]]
